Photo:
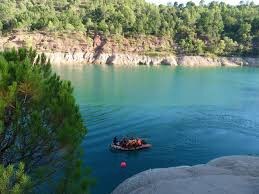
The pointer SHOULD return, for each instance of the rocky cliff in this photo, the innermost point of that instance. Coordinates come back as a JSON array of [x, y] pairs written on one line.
[[116, 59], [229, 175], [79, 49], [121, 59]]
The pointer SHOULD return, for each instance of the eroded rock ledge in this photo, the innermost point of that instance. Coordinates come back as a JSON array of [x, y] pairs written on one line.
[[225, 175], [122, 59]]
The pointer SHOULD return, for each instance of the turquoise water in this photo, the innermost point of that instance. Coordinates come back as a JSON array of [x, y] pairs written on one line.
[[190, 115]]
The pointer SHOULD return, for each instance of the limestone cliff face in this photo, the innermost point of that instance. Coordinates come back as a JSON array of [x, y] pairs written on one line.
[[122, 59], [217, 61], [80, 49], [118, 59]]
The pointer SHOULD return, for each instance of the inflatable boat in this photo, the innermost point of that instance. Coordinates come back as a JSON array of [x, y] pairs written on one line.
[[118, 147]]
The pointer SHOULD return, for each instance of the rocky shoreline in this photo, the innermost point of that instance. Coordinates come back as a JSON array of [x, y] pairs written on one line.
[[81, 49], [230, 175], [122, 59]]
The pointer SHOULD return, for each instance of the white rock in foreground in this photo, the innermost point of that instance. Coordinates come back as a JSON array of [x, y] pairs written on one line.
[[225, 175]]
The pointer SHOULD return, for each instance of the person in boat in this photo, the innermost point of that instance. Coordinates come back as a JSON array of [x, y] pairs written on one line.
[[133, 143], [115, 141], [123, 142], [128, 143], [139, 141]]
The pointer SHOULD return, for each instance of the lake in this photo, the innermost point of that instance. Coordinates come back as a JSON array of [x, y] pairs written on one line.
[[190, 115]]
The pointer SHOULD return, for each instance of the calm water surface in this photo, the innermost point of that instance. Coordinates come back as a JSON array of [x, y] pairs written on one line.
[[190, 115]]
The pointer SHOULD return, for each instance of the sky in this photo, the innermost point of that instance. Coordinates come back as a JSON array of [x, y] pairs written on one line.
[[233, 2]]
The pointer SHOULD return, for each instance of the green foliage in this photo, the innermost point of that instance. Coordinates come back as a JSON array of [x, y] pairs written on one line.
[[230, 46], [187, 25], [40, 123], [76, 179], [256, 44], [14, 180], [1, 26]]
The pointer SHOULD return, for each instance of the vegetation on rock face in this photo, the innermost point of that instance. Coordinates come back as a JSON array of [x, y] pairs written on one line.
[[216, 28], [40, 124]]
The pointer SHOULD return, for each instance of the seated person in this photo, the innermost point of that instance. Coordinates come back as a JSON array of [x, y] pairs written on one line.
[[124, 142], [115, 141], [139, 142]]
